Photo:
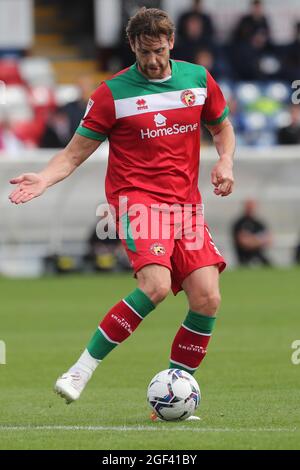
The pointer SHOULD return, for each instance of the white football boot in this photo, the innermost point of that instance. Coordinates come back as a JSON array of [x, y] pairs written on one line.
[[71, 384]]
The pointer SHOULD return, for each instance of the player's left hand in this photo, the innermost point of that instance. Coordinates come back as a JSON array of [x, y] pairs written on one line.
[[222, 178]]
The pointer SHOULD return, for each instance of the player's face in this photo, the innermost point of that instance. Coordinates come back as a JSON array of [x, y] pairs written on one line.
[[153, 55]]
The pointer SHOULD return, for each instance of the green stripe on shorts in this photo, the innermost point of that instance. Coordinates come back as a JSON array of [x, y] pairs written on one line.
[[128, 233]]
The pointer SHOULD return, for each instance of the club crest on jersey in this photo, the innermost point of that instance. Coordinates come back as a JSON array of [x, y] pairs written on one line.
[[141, 104], [188, 98], [157, 249]]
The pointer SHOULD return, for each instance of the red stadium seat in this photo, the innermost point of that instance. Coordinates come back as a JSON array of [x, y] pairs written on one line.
[[9, 72], [30, 131]]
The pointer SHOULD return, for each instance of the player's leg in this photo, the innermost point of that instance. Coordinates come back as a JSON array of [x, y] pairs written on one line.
[[197, 273], [153, 285], [150, 259], [191, 341], [190, 344]]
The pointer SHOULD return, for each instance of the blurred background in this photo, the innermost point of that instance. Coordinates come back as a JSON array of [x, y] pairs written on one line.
[[54, 53]]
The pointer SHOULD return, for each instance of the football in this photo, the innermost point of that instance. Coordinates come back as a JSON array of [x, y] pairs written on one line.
[[173, 394]]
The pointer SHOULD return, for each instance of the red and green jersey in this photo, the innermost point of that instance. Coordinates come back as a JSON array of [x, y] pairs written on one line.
[[153, 129]]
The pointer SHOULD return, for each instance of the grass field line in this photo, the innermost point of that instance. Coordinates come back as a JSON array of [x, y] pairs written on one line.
[[155, 428]]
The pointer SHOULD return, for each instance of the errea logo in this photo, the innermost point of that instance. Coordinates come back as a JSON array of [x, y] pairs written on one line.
[[141, 104]]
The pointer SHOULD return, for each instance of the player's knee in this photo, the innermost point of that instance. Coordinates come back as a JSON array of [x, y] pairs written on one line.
[[163, 291], [207, 303], [155, 281], [157, 289]]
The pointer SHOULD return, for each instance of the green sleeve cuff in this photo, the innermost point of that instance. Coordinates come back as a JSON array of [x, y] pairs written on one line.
[[85, 132], [220, 119]]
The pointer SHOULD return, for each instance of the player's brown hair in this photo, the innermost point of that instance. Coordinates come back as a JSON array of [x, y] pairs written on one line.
[[149, 22]]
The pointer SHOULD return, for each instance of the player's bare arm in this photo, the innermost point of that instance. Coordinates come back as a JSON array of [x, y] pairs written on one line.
[[222, 173], [31, 185]]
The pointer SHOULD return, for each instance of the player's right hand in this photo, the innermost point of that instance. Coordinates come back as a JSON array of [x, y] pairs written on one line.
[[29, 186]]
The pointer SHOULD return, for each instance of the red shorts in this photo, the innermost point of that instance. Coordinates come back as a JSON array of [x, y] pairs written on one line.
[[180, 242]]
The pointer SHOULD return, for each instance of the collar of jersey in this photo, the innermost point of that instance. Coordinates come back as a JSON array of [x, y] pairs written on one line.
[[144, 79]]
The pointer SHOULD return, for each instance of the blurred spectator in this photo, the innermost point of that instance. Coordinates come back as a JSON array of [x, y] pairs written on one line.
[[255, 59], [214, 61], [253, 56], [255, 21], [9, 142], [196, 11], [251, 237], [57, 131], [290, 135], [291, 58], [76, 109], [206, 58], [192, 39]]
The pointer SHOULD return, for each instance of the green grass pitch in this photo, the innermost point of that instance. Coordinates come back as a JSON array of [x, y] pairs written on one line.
[[250, 388]]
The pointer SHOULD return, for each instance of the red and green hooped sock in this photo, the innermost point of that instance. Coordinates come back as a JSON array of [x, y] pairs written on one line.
[[119, 323], [191, 341]]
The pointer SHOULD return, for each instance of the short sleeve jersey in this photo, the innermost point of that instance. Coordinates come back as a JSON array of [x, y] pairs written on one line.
[[153, 130]]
